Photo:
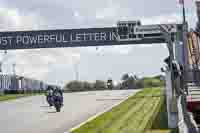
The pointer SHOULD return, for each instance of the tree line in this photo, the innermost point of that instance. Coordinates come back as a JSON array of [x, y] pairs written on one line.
[[127, 82]]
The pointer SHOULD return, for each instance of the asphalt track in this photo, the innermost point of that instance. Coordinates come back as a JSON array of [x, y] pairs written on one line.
[[33, 115]]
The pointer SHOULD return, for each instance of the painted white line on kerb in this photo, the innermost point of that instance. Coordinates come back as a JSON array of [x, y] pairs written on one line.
[[98, 114]]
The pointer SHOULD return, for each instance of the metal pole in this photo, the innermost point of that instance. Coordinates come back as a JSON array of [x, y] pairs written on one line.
[[76, 72], [14, 69], [168, 38], [169, 42], [185, 49], [184, 20]]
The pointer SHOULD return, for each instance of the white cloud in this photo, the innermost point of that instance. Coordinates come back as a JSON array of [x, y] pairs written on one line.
[[170, 18], [162, 19], [106, 13], [12, 19], [38, 63]]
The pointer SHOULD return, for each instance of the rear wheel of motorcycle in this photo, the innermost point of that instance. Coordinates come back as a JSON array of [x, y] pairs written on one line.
[[57, 109]]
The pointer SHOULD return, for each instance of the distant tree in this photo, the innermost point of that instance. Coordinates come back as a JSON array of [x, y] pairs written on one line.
[[139, 84], [136, 77], [128, 82], [131, 82], [125, 77], [100, 85], [74, 86], [88, 86], [159, 77]]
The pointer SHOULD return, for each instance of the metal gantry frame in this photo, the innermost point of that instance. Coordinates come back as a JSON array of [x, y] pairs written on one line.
[[126, 32]]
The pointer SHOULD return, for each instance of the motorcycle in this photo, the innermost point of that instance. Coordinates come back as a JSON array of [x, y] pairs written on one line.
[[58, 102], [50, 100]]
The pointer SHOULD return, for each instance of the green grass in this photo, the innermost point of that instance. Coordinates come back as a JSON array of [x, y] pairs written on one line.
[[14, 96], [135, 115], [159, 123]]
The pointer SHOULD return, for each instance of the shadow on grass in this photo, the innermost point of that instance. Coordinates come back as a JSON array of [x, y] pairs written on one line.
[[160, 124]]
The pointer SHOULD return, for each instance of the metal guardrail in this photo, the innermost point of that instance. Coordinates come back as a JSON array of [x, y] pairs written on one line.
[[186, 123], [185, 120], [193, 93]]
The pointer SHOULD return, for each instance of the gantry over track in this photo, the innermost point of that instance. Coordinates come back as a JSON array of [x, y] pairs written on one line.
[[126, 32]]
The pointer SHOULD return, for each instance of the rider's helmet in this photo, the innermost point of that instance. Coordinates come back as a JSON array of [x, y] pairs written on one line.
[[58, 91], [49, 90]]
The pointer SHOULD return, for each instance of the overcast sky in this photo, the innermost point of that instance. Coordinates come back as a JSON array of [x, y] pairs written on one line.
[[58, 65]]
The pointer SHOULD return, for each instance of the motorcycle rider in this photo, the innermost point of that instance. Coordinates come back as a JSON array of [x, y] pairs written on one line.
[[58, 91], [49, 91], [49, 95]]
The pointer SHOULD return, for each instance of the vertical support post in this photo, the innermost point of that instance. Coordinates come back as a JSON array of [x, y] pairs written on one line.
[[172, 116], [173, 101], [172, 108], [185, 50], [185, 56], [171, 55], [183, 4]]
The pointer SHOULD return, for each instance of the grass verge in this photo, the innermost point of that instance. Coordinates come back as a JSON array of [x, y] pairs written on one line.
[[14, 96], [136, 115], [159, 124]]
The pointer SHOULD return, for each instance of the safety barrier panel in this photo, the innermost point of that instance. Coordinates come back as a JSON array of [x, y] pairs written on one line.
[[186, 123], [21, 84]]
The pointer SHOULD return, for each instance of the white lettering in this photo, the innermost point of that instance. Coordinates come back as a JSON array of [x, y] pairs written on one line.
[[4, 40], [59, 38], [90, 36], [25, 40], [46, 38], [10, 39], [84, 36], [103, 36], [40, 39], [71, 37], [19, 39], [33, 39], [52, 37], [64, 38], [78, 37], [114, 36], [96, 36]]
